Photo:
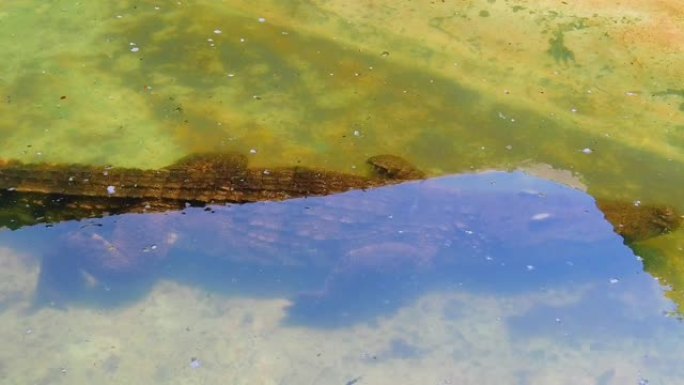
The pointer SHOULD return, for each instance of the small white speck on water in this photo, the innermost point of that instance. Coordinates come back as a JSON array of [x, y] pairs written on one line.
[[231, 75], [573, 110], [587, 151], [242, 40], [637, 203], [262, 19], [266, 172], [614, 280], [540, 216], [530, 267], [111, 190], [135, 49], [509, 147], [218, 31], [252, 151], [357, 133], [147, 249]]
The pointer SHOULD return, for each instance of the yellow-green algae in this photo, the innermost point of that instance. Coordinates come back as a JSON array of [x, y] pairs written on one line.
[[141, 83]]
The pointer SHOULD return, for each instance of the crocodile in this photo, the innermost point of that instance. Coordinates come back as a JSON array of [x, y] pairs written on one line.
[[49, 193]]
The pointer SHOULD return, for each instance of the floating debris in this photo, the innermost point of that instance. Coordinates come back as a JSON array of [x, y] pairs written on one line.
[[541, 216]]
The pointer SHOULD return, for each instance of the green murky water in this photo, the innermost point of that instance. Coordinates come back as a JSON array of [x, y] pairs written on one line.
[[140, 84]]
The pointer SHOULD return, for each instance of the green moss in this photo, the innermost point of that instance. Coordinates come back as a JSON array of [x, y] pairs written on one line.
[[558, 50]]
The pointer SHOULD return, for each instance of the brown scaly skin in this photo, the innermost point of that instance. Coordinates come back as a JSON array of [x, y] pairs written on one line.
[[44, 193], [47, 193], [394, 167], [205, 178]]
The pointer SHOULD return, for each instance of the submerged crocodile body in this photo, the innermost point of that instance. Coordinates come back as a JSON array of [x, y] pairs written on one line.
[[54, 193]]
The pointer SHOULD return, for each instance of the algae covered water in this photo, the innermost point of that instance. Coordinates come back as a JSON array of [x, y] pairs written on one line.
[[586, 93]]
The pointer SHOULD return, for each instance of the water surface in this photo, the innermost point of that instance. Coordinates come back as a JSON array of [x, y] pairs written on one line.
[[462, 286], [481, 278]]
